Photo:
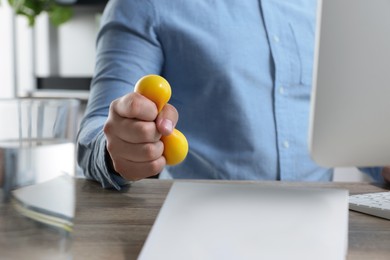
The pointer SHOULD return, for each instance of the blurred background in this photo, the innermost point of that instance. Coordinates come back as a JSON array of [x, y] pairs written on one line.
[[55, 55], [46, 53]]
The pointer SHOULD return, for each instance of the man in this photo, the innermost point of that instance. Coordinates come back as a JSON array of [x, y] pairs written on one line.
[[240, 73]]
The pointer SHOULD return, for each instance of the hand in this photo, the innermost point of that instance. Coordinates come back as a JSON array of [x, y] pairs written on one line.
[[133, 131], [386, 174]]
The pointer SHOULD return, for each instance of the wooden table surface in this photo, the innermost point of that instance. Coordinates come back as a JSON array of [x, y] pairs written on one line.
[[114, 225]]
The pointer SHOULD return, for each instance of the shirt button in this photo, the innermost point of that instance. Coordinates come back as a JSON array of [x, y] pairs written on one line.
[[276, 38], [282, 90], [286, 144]]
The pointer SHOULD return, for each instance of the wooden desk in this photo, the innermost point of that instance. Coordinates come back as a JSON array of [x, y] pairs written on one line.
[[114, 225]]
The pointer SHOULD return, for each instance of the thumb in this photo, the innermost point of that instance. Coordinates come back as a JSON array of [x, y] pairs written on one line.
[[167, 119]]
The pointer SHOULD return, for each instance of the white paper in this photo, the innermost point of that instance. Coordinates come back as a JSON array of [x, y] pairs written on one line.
[[249, 221]]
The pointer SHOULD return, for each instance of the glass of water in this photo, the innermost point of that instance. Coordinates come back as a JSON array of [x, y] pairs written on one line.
[[37, 166]]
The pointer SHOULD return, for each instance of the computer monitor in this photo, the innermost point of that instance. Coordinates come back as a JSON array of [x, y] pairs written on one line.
[[350, 113]]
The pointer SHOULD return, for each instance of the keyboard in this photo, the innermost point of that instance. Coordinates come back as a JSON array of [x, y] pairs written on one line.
[[377, 203]]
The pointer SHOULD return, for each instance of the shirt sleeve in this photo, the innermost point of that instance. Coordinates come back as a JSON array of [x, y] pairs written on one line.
[[92, 156], [374, 172], [127, 48]]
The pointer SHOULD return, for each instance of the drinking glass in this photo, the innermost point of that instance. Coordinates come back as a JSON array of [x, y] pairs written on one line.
[[37, 167]]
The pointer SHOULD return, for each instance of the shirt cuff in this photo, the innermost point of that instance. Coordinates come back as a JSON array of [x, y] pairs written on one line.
[[374, 172], [92, 158]]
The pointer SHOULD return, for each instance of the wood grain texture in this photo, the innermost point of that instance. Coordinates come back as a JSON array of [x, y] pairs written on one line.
[[114, 225]]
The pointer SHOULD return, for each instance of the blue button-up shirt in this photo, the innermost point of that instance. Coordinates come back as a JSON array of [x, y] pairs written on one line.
[[240, 73]]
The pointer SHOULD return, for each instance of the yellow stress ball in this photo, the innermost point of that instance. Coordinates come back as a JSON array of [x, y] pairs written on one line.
[[155, 88], [158, 90], [175, 147]]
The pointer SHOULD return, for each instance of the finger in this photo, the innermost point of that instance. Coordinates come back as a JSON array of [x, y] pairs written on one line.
[[131, 130], [167, 119], [134, 105], [136, 171], [134, 152]]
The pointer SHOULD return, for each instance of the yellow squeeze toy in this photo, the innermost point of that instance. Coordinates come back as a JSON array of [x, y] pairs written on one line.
[[158, 90]]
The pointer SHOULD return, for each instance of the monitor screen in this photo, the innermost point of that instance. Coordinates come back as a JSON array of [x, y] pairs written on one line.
[[350, 113]]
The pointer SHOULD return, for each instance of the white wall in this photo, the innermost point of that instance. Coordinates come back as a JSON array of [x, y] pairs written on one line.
[[6, 52], [75, 49], [25, 78], [77, 43], [74, 44], [16, 62]]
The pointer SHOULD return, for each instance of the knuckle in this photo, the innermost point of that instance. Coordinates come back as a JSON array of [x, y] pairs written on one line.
[[118, 166], [134, 106], [114, 104], [110, 147], [155, 167], [145, 130], [113, 107], [107, 128], [150, 151]]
